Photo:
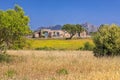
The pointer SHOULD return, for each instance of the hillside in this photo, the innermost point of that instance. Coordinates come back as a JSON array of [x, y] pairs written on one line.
[[89, 27]]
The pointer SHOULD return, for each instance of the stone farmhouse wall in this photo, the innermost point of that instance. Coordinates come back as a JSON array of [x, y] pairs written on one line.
[[48, 33]]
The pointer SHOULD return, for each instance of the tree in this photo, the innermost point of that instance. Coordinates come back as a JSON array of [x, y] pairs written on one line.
[[107, 41], [72, 29], [13, 27], [79, 29]]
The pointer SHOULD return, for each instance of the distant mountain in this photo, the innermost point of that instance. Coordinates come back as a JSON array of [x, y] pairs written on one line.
[[56, 27], [89, 27]]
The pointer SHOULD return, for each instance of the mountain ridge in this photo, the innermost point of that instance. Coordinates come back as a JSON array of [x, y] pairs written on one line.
[[89, 27]]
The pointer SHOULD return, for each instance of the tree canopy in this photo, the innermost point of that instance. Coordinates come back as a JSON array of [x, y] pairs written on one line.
[[13, 26], [107, 40], [72, 29]]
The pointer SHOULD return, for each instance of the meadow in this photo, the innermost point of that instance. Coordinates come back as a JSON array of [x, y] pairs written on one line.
[[59, 65], [58, 44]]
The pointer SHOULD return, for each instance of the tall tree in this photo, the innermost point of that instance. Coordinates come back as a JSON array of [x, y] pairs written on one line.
[[13, 26], [72, 29], [79, 29]]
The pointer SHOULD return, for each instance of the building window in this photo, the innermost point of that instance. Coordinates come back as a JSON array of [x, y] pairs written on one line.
[[58, 34], [45, 34]]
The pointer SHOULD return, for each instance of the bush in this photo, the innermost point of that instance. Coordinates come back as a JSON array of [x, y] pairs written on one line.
[[88, 46], [62, 72], [10, 73], [107, 41], [5, 58], [45, 48], [22, 44], [81, 48]]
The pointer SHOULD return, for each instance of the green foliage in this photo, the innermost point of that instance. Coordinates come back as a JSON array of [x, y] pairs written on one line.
[[72, 29], [21, 44], [80, 48], [79, 28], [107, 41], [88, 46], [3, 48], [62, 72], [13, 26], [45, 48], [10, 73], [5, 58], [93, 33]]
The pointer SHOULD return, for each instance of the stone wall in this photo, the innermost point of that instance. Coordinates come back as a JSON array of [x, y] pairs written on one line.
[[47, 33]]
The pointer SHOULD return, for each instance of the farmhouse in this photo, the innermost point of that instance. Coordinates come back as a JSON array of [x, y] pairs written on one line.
[[48, 33]]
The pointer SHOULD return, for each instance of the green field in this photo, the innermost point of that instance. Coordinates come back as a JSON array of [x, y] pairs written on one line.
[[58, 44]]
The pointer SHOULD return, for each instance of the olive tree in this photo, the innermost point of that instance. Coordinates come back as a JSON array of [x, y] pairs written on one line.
[[107, 41], [13, 27], [79, 29], [72, 29]]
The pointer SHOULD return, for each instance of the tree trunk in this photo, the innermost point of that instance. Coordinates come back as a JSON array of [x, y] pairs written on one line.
[[71, 36], [79, 34]]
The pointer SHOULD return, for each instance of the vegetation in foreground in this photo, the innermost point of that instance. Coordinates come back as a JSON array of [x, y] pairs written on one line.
[[78, 44], [107, 41], [59, 65], [13, 26]]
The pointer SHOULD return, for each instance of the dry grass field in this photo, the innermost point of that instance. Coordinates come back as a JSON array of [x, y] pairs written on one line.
[[59, 65]]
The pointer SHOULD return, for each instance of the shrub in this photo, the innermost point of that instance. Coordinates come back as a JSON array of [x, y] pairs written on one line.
[[5, 58], [81, 48], [45, 48], [14, 25], [10, 73], [22, 44], [62, 71], [88, 46], [107, 41]]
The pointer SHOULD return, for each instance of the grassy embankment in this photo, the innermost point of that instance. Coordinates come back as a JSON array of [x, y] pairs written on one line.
[[58, 44], [59, 65]]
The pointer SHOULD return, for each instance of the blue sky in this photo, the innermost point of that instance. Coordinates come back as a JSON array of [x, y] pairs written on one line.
[[53, 12]]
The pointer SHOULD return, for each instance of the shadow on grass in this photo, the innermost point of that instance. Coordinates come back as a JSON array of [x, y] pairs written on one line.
[[7, 58], [45, 48], [49, 48]]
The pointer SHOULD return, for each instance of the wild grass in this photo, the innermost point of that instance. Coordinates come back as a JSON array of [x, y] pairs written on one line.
[[59, 65], [58, 44]]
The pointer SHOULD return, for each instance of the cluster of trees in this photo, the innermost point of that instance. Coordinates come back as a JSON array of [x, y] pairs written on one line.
[[107, 40], [13, 27], [73, 29]]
